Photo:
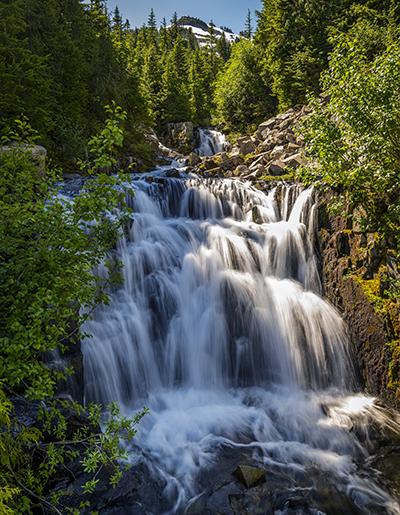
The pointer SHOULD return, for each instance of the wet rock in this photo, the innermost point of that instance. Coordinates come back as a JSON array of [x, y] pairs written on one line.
[[255, 213], [193, 159], [342, 244], [351, 271], [181, 137], [173, 173], [249, 476], [137, 492], [220, 500]]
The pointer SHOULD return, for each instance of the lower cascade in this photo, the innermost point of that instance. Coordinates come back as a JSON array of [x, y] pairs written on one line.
[[221, 330]]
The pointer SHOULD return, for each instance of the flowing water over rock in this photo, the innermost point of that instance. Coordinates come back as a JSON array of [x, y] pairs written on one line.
[[211, 142], [221, 330]]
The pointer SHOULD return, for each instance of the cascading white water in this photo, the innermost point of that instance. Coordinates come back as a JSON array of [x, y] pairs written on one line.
[[221, 331], [211, 142]]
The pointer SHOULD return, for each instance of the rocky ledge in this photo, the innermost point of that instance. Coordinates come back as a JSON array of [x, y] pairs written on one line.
[[272, 153]]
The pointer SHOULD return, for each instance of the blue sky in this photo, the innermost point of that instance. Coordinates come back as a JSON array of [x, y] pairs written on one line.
[[230, 13]]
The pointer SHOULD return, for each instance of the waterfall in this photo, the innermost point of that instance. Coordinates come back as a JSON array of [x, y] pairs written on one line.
[[221, 330], [211, 142]]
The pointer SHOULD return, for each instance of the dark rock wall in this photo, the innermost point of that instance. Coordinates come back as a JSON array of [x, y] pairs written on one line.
[[351, 260]]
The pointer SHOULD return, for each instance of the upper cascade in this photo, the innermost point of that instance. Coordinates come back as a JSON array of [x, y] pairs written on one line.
[[211, 142]]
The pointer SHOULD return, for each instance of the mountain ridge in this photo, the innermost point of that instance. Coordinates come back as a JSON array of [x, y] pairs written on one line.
[[201, 30]]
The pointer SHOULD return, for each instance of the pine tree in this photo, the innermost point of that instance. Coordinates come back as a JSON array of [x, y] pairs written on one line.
[[165, 37], [295, 43], [248, 28], [26, 83], [191, 40], [152, 21], [117, 30], [242, 96], [224, 48], [200, 89], [214, 59], [151, 80], [174, 30], [175, 104]]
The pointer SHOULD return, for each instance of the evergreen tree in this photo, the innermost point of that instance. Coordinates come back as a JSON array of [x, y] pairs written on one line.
[[26, 83], [151, 80], [242, 97], [191, 39], [224, 48], [117, 28], [200, 89], [248, 28], [294, 38], [174, 26], [215, 60], [175, 103], [152, 22]]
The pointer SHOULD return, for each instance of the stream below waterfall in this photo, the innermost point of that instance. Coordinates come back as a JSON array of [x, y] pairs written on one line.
[[221, 330]]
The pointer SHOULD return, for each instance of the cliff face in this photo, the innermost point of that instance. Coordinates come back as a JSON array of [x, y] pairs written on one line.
[[357, 271]]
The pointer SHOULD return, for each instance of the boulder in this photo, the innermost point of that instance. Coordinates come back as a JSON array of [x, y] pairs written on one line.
[[260, 160], [37, 153], [276, 168], [267, 124], [234, 151], [181, 137], [215, 171], [292, 147], [209, 163], [232, 162], [193, 159], [251, 176], [246, 146], [173, 173], [277, 152], [285, 124], [295, 161], [250, 476], [265, 146]]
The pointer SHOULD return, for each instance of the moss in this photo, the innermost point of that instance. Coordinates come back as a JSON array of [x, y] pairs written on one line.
[[394, 367], [288, 177], [388, 309], [249, 158], [372, 290]]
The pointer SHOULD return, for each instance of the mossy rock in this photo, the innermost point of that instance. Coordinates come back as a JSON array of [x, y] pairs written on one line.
[[288, 177], [250, 476]]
